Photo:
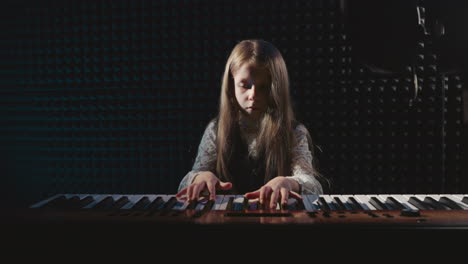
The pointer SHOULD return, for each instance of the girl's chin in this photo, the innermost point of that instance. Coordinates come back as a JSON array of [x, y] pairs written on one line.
[[254, 114]]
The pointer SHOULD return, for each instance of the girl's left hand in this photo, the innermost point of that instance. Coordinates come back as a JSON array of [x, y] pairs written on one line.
[[278, 188]]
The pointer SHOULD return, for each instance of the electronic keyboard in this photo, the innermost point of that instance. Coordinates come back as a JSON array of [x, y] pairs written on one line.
[[368, 210]]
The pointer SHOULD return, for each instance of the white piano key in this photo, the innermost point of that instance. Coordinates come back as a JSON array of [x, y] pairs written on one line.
[[343, 200], [328, 199], [181, 204], [201, 203], [403, 199], [223, 204], [218, 201], [292, 201], [363, 200], [310, 201], [457, 198], [381, 199], [43, 202], [238, 200], [97, 198], [345, 197], [132, 200]]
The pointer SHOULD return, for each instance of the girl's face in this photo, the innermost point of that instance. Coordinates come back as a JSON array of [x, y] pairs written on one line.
[[252, 84]]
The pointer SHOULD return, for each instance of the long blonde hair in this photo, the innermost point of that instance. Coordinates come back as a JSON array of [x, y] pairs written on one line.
[[275, 138]]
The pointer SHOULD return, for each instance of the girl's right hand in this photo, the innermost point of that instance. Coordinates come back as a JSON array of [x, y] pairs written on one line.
[[204, 181]]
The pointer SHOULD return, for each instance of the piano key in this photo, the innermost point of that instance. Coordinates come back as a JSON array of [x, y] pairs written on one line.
[[191, 205], [435, 204], [170, 203], [465, 200], [310, 201], [97, 199], [132, 200], [74, 202], [300, 204], [254, 204], [141, 204], [415, 201], [157, 203], [339, 204], [377, 203], [291, 205], [449, 203], [209, 205], [238, 203], [43, 202], [218, 202], [392, 203], [85, 201], [201, 203], [56, 203], [354, 203], [345, 198], [105, 203], [226, 202], [120, 202], [364, 201], [230, 203], [324, 202], [457, 199], [403, 200], [182, 204]]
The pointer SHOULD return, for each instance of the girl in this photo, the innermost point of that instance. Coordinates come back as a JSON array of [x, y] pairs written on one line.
[[254, 146]]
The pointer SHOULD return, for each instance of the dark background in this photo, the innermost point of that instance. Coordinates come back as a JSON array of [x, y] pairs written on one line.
[[114, 96]]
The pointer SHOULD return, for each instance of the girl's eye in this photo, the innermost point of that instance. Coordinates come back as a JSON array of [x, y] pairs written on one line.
[[245, 85]]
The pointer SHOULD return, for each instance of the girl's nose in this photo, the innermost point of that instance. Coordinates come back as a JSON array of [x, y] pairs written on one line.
[[252, 92]]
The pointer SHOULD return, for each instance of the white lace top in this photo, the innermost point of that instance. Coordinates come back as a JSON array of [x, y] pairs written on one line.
[[301, 156]]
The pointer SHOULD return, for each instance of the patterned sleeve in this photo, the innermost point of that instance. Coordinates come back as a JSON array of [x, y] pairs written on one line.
[[206, 156], [301, 166]]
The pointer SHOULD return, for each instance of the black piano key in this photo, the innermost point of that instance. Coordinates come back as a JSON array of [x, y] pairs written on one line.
[[192, 204], [56, 203], [289, 206], [245, 204], [230, 203], [260, 206], [239, 206], [377, 203], [142, 203], [253, 205], [209, 205], [86, 201], [394, 203], [169, 204], [120, 202], [339, 204], [284, 206], [465, 200], [354, 204], [323, 204], [106, 203], [300, 205], [74, 202], [156, 204], [450, 203], [419, 204], [437, 206]]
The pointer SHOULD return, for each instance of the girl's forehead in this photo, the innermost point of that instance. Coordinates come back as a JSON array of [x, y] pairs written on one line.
[[251, 70]]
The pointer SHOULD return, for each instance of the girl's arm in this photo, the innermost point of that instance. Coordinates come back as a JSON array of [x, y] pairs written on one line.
[[301, 166], [206, 157]]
